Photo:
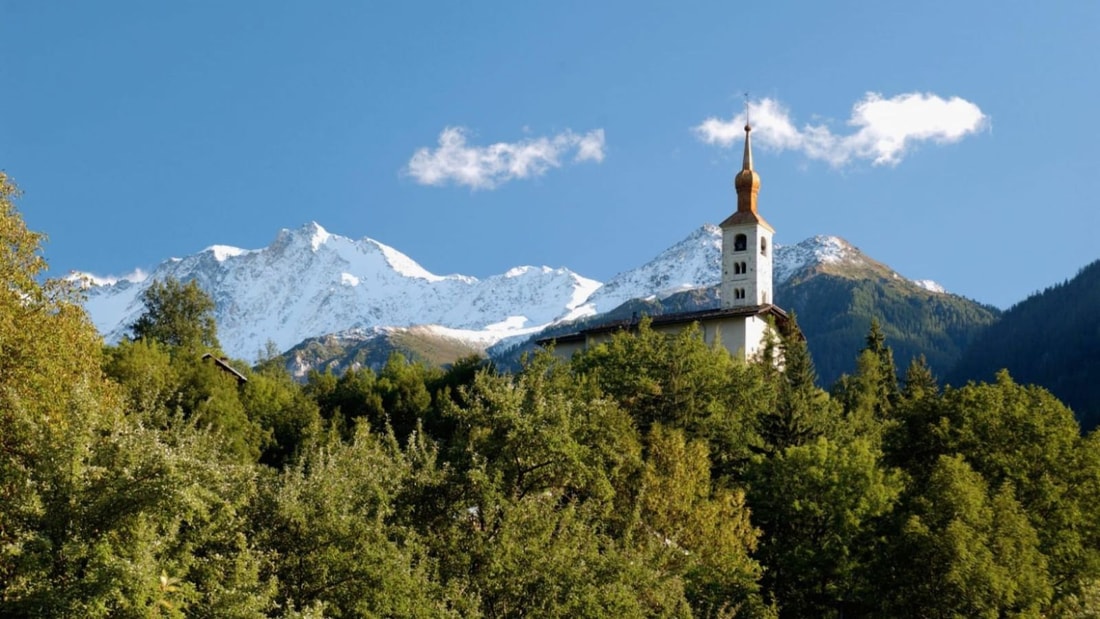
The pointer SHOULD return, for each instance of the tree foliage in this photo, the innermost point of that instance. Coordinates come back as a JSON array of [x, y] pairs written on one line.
[[177, 315], [652, 475]]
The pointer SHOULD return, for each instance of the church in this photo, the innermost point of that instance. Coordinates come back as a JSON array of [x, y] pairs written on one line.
[[747, 310]]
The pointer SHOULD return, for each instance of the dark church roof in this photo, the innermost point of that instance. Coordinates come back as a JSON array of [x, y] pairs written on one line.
[[681, 318]]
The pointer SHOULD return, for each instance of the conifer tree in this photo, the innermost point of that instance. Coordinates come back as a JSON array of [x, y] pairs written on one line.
[[802, 411], [919, 380], [915, 441], [888, 391], [701, 531]]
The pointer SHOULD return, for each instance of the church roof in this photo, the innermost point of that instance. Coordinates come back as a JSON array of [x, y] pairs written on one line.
[[680, 318], [740, 218]]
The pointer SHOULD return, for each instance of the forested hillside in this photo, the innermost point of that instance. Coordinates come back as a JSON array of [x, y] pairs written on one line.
[[649, 476], [1051, 338], [837, 310]]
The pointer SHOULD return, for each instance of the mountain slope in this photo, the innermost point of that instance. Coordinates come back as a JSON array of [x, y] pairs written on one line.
[[836, 291], [371, 348], [694, 262], [1052, 339]]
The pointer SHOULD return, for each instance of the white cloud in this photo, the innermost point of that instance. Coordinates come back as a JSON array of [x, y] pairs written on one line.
[[884, 129], [590, 147], [486, 167]]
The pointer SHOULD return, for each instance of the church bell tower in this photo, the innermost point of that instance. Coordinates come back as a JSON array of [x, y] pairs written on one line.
[[746, 243]]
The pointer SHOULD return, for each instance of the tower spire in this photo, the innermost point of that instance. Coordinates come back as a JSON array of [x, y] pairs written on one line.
[[746, 240], [747, 181], [746, 162]]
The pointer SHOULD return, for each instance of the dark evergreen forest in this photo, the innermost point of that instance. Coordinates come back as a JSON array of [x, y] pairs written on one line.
[[1051, 338], [648, 476]]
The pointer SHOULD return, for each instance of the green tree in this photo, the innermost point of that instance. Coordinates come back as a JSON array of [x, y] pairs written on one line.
[[698, 530], [802, 412], [888, 392], [916, 441], [165, 389], [1025, 437], [535, 512], [327, 521], [349, 398], [108, 506], [96, 506], [679, 381], [403, 387], [149, 379], [820, 507], [178, 315], [48, 348], [962, 554], [288, 417], [919, 380]]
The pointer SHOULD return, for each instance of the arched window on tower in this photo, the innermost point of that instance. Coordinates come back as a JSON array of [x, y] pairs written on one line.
[[744, 268], [740, 242], [763, 246]]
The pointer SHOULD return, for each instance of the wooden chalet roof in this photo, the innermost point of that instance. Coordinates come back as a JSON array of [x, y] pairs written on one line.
[[224, 365]]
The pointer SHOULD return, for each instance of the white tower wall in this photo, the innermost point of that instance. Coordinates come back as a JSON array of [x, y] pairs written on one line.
[[746, 273]]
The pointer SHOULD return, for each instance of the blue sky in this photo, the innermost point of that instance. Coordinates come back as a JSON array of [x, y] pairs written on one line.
[[955, 141]]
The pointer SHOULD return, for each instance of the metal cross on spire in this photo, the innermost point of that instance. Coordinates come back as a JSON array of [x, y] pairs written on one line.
[[746, 163]]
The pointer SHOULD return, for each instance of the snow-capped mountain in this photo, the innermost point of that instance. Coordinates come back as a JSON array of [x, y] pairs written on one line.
[[793, 260], [310, 283], [694, 262]]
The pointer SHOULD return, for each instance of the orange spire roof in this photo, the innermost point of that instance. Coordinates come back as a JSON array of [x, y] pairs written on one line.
[[747, 183]]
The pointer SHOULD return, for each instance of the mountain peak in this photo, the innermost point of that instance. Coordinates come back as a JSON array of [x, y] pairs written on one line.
[[817, 250], [317, 235], [835, 255], [311, 234], [694, 262]]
